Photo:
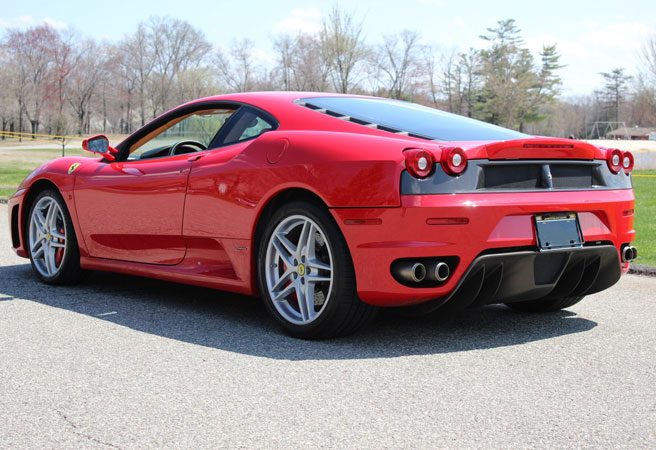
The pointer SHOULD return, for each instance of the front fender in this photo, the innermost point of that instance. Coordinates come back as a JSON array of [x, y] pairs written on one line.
[[59, 173]]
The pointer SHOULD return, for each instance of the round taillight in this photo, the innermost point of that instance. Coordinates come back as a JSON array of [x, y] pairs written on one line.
[[454, 161], [627, 162], [419, 163], [615, 160]]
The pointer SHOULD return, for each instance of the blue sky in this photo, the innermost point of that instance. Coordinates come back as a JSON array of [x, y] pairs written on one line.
[[592, 37]]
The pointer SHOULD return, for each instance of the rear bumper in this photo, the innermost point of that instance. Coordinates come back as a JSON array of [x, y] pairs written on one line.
[[496, 222], [532, 275]]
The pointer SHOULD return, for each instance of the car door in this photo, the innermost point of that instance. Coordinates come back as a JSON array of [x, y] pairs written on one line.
[[132, 209], [218, 190]]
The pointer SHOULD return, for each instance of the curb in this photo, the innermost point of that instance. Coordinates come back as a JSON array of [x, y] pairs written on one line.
[[636, 269]]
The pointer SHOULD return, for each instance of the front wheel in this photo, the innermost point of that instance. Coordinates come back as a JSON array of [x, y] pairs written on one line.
[[51, 241], [306, 275], [545, 305]]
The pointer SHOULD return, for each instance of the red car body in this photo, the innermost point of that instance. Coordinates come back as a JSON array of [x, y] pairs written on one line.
[[195, 219]]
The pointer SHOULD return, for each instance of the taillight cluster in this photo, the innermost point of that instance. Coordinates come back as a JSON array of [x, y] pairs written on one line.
[[420, 163], [618, 160], [454, 161]]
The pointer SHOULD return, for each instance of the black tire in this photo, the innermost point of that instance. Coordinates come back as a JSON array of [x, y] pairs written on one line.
[[69, 271], [545, 305], [343, 313]]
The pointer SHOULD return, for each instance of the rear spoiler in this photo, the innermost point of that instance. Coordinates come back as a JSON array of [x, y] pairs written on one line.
[[537, 148]]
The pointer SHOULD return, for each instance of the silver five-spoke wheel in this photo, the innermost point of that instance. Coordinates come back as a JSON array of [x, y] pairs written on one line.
[[299, 269], [47, 236]]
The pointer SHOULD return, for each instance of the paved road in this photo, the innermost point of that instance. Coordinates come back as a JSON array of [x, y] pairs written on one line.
[[125, 362]]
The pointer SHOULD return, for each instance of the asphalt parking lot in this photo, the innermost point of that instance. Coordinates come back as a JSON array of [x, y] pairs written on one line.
[[125, 362]]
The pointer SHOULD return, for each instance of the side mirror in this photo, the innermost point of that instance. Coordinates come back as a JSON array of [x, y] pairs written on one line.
[[99, 144]]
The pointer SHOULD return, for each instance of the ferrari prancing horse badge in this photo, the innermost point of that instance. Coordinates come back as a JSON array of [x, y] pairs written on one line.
[[73, 167]]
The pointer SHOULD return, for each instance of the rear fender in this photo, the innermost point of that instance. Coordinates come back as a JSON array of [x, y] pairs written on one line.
[[343, 169]]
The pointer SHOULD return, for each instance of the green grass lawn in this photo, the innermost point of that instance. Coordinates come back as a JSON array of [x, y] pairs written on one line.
[[13, 172], [17, 164], [645, 217]]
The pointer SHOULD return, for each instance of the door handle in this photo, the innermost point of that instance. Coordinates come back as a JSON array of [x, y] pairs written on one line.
[[195, 157]]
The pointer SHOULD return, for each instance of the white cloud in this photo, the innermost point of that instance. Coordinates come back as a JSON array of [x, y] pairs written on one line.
[[29, 21], [300, 20], [56, 24]]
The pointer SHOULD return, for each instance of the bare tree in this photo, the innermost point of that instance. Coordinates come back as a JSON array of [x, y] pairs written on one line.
[[126, 86], [85, 78], [343, 48], [397, 59], [177, 47], [32, 51], [300, 65], [11, 93], [137, 65], [66, 55], [285, 47], [453, 80], [430, 62], [311, 71], [648, 58], [237, 70]]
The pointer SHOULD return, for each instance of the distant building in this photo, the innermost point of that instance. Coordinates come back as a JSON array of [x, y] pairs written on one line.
[[633, 133]]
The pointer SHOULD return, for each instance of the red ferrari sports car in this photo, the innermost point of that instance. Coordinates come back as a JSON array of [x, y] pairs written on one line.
[[330, 206]]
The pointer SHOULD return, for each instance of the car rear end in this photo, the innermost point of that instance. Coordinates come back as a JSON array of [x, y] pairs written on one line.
[[500, 222]]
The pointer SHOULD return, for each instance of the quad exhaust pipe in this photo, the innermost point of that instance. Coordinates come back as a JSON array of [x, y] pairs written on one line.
[[413, 272], [410, 271], [629, 253], [441, 272]]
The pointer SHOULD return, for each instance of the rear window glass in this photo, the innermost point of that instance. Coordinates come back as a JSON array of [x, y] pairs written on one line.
[[415, 119]]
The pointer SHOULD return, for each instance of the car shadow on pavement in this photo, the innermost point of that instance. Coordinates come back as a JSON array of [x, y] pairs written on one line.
[[241, 324]]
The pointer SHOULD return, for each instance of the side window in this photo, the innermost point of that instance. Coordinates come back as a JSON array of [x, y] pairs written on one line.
[[200, 126], [249, 125]]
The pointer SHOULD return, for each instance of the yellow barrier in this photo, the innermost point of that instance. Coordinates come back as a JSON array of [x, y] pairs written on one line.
[[16, 134]]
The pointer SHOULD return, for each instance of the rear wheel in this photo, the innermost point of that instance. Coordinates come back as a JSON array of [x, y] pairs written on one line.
[[306, 275], [51, 241], [545, 305]]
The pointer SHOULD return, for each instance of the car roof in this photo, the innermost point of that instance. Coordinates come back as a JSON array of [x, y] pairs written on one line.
[[282, 105]]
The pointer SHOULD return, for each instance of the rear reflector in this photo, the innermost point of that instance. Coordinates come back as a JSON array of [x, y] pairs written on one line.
[[363, 221], [448, 221]]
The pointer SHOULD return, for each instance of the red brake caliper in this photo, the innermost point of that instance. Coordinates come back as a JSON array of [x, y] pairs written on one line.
[[59, 254]]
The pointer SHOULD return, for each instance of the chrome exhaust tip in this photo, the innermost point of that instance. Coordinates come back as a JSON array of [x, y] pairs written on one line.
[[418, 272], [634, 253], [442, 271], [629, 253], [410, 272]]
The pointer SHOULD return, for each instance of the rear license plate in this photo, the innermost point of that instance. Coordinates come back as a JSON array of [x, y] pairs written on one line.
[[558, 230]]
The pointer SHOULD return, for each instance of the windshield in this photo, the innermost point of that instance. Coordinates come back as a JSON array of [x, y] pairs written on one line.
[[414, 119]]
